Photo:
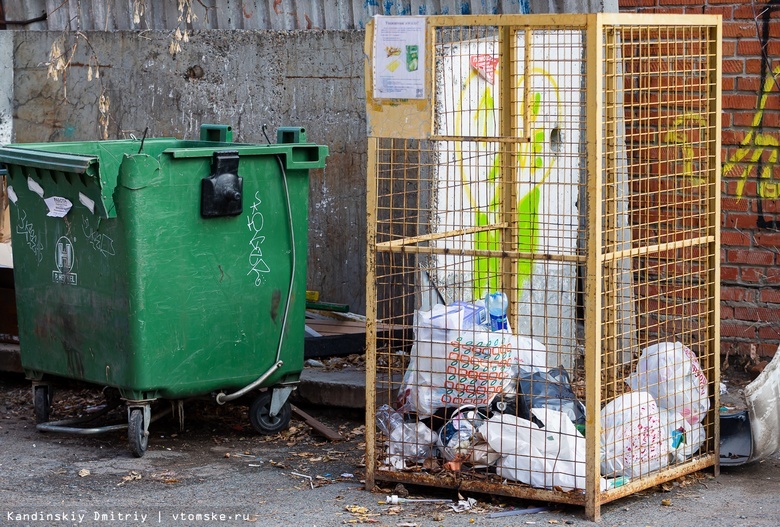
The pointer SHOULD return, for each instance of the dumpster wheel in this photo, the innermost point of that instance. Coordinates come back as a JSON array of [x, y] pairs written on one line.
[[137, 434], [261, 418], [42, 397]]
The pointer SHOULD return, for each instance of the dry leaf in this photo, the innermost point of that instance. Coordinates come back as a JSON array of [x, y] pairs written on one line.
[[83, 473]]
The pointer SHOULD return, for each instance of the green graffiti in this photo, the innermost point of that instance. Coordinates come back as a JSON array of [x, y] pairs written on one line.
[[530, 158]]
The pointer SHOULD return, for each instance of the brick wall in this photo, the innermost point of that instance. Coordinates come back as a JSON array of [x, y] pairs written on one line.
[[750, 273]]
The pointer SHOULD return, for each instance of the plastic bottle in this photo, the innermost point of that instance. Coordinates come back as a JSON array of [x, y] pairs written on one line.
[[388, 419], [497, 304]]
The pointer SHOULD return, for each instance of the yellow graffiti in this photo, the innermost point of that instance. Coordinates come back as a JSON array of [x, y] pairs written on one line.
[[753, 148], [680, 137]]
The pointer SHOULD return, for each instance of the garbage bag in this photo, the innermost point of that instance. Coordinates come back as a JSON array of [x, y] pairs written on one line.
[[684, 438], [454, 364], [632, 440], [544, 457], [552, 390], [671, 373]]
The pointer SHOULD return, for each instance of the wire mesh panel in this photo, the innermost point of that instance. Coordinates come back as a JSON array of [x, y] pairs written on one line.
[[543, 257]]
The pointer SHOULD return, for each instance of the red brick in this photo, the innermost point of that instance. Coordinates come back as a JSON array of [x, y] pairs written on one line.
[[766, 349], [733, 137], [735, 329], [743, 118], [768, 332], [733, 66], [625, 4], [769, 295], [768, 239], [771, 206], [753, 66], [772, 276], [726, 12], [770, 119], [751, 84], [752, 275], [736, 294], [735, 239], [734, 205], [748, 12], [757, 314], [751, 257], [738, 29], [748, 189], [726, 312], [728, 272], [740, 221], [740, 101]]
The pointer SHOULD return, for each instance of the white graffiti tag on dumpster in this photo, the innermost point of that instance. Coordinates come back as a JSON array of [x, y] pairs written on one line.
[[257, 264], [100, 242], [26, 229]]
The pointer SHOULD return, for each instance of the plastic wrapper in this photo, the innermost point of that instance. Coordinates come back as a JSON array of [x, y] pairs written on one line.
[[552, 389]]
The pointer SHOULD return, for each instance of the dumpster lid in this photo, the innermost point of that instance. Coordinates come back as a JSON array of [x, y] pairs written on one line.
[[84, 166]]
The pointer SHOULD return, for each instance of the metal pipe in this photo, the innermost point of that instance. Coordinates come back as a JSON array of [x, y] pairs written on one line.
[[60, 426], [222, 398]]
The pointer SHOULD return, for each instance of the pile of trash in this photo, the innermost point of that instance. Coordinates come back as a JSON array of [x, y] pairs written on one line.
[[475, 395]]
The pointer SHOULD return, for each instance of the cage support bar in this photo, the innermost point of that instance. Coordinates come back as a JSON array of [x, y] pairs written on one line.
[[593, 277], [480, 139], [486, 252], [657, 248], [412, 240]]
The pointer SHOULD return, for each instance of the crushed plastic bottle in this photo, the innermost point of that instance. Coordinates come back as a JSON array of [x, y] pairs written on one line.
[[406, 441], [497, 304], [387, 419]]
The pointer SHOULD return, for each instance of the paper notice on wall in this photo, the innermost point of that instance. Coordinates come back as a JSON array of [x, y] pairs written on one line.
[[399, 57], [58, 207], [11, 194]]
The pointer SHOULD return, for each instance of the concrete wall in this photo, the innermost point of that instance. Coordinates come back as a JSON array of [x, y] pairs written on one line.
[[6, 121], [242, 78]]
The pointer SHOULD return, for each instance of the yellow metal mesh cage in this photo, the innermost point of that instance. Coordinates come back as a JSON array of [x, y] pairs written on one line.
[[543, 255]]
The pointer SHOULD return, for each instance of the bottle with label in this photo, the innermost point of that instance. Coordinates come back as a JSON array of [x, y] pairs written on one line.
[[497, 304]]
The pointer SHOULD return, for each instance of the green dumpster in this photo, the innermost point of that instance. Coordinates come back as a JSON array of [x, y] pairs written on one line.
[[163, 268]]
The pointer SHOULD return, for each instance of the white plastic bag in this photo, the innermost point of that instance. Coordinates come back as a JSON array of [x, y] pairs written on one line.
[[671, 373], [684, 438], [548, 457], [632, 441], [454, 366], [455, 363]]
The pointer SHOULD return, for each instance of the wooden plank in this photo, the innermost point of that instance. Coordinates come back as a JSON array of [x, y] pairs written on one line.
[[318, 426], [336, 327]]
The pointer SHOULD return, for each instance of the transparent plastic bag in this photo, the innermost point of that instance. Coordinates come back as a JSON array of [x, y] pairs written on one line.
[[413, 442]]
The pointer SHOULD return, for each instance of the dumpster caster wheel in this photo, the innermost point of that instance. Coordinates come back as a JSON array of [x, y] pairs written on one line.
[[42, 403], [259, 415], [136, 435]]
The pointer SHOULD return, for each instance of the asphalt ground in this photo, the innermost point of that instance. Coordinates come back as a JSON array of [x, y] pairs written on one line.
[[218, 471]]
